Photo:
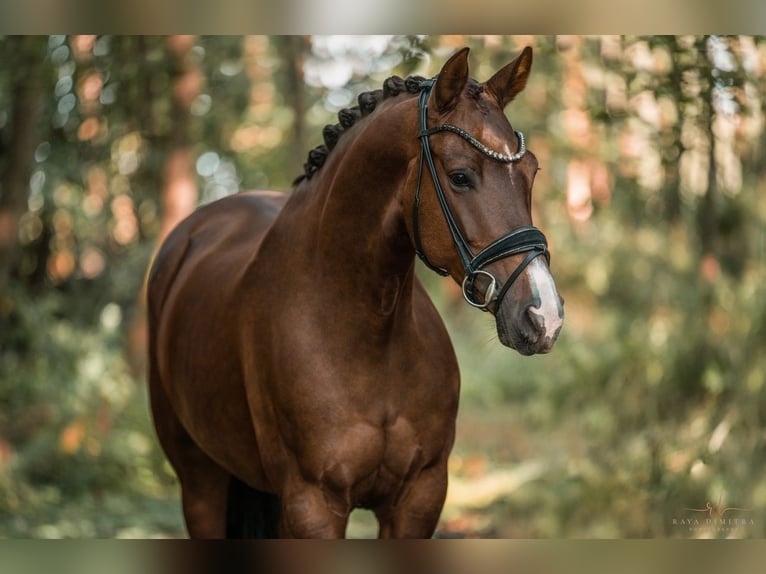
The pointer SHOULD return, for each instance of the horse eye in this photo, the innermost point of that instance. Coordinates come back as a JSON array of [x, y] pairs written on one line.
[[459, 179]]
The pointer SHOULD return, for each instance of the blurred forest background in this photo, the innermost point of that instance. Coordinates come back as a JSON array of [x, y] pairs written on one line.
[[652, 193]]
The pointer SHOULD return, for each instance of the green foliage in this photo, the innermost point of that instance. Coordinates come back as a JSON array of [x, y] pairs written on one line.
[[652, 400], [78, 448]]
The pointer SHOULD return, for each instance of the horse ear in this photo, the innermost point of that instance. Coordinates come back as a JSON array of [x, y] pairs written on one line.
[[451, 81], [511, 79]]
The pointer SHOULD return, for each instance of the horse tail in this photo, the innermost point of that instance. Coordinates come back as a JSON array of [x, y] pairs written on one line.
[[251, 513]]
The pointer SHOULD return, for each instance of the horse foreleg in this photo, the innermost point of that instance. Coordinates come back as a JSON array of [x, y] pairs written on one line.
[[417, 512]]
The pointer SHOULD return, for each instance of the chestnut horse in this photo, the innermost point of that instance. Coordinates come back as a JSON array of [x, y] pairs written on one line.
[[298, 368]]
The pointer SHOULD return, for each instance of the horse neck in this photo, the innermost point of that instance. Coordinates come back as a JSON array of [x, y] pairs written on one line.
[[353, 222]]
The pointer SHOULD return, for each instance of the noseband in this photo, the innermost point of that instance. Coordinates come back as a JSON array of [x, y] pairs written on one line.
[[527, 239]]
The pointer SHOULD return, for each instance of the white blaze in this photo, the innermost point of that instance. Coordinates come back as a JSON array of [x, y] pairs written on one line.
[[541, 282]]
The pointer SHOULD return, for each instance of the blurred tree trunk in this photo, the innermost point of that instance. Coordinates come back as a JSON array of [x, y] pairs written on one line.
[[179, 192], [673, 148], [708, 220], [179, 183], [293, 51], [708, 212], [19, 139]]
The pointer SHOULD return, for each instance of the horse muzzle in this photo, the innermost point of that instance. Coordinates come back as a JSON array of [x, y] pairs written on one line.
[[531, 324]]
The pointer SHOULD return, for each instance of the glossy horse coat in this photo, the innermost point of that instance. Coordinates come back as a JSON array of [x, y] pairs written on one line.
[[298, 368]]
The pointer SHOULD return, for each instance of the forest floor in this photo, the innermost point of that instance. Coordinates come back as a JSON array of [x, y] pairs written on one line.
[[493, 461], [508, 479]]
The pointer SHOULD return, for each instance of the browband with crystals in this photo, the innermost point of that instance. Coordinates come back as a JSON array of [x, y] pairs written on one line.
[[490, 153]]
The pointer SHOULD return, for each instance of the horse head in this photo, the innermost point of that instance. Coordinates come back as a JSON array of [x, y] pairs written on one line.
[[471, 191]]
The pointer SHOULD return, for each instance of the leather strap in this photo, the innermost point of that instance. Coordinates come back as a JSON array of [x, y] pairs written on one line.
[[525, 239]]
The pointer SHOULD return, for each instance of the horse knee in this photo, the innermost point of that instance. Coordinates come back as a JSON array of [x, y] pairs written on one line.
[[417, 513], [205, 515], [307, 513]]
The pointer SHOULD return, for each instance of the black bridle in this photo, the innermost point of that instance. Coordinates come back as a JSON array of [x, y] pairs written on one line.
[[527, 239]]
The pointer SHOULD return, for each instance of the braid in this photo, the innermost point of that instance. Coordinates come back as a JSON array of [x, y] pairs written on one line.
[[393, 86], [412, 84], [347, 117], [331, 134], [368, 101]]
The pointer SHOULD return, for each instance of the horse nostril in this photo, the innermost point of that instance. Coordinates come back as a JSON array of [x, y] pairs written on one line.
[[536, 319]]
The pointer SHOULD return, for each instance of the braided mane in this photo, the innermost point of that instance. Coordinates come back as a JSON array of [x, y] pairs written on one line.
[[347, 117]]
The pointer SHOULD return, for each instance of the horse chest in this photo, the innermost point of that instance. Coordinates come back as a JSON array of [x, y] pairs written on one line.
[[371, 464]]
